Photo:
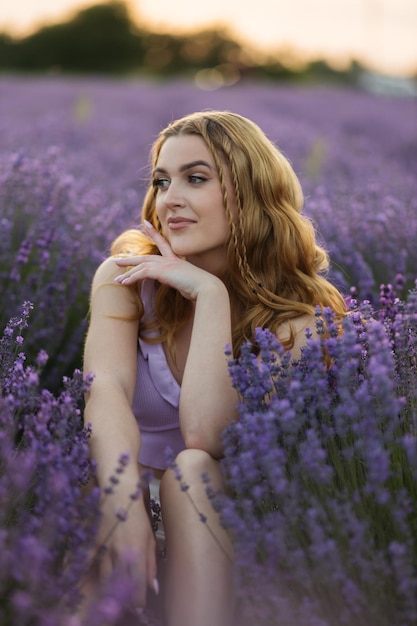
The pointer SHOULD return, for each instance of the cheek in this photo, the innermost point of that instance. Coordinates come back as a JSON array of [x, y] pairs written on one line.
[[159, 209], [161, 218]]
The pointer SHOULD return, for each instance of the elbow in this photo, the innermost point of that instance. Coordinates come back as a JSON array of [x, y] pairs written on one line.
[[198, 440], [204, 430]]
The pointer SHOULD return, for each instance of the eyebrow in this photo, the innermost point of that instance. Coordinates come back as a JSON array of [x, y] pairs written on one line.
[[188, 166]]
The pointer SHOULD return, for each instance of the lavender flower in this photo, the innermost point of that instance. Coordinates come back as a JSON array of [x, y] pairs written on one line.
[[320, 471], [322, 464], [68, 188], [48, 521]]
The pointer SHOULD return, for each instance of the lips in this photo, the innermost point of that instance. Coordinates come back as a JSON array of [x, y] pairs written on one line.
[[178, 219], [175, 223]]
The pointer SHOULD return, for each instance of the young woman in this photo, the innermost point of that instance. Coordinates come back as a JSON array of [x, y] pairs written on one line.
[[223, 249]]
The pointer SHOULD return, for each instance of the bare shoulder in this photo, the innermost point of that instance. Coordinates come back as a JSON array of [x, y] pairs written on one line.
[[111, 343], [300, 326], [109, 296], [302, 323], [106, 272]]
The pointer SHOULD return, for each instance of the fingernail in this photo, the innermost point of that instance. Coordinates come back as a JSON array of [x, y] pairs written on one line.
[[156, 586], [147, 224]]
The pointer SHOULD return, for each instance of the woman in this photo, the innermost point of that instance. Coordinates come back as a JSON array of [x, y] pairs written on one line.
[[224, 249]]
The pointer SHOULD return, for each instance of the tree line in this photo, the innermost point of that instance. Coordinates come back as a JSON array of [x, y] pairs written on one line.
[[104, 39]]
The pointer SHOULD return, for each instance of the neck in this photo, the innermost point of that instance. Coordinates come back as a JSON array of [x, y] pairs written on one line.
[[212, 263]]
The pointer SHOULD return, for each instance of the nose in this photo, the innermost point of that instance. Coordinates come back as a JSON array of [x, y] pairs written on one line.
[[173, 196]]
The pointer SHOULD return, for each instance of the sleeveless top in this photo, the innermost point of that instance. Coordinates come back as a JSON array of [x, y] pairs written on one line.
[[156, 399]]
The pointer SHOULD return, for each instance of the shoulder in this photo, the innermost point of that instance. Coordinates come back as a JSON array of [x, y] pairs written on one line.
[[303, 323], [299, 328], [108, 295], [106, 272]]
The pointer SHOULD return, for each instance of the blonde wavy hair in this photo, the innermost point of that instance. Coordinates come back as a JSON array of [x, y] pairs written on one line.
[[275, 268]]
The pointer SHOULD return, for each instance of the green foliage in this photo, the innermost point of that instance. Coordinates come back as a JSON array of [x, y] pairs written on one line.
[[104, 39], [98, 39]]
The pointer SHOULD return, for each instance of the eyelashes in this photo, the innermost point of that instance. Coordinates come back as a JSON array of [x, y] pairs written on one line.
[[163, 183], [160, 183]]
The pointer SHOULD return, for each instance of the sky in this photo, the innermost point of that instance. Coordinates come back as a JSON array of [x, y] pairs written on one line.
[[382, 33]]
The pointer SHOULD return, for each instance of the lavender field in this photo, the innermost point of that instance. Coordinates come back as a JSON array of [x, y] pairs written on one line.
[[73, 167], [73, 170]]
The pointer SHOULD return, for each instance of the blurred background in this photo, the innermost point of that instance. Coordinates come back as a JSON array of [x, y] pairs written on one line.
[[217, 43]]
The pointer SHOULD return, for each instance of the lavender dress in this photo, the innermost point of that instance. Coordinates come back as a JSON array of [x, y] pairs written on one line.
[[156, 399]]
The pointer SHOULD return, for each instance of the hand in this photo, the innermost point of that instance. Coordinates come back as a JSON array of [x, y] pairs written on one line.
[[130, 547], [167, 268]]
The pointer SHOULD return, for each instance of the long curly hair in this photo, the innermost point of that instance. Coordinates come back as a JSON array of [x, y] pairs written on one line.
[[276, 271]]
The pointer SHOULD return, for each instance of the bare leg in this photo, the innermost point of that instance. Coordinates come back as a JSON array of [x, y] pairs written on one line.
[[199, 573]]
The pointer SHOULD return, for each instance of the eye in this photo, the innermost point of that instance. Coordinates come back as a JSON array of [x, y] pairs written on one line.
[[195, 179], [160, 183]]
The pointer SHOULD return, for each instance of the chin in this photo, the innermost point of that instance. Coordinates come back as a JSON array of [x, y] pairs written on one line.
[[182, 248], [181, 251]]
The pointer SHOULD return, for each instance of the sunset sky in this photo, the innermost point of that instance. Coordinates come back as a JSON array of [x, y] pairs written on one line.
[[382, 33]]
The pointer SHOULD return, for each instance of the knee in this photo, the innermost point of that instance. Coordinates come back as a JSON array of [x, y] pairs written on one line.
[[191, 467], [192, 460]]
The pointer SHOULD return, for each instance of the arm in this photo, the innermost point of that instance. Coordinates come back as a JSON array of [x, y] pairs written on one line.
[[110, 354], [208, 401]]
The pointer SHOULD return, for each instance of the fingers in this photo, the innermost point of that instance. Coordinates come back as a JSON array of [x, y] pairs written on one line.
[[142, 569], [158, 239], [153, 582], [139, 567], [139, 574], [141, 267], [132, 565], [135, 261]]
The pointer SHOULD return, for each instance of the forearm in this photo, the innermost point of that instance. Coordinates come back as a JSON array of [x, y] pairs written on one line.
[[114, 432], [208, 400]]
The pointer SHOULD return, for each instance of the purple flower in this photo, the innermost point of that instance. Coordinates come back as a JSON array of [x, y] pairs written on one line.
[[337, 441], [320, 474], [48, 522]]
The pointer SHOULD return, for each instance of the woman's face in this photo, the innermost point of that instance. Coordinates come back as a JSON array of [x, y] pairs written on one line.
[[189, 202]]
